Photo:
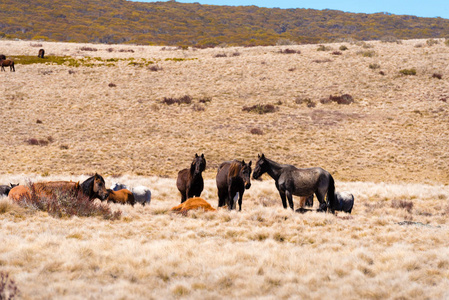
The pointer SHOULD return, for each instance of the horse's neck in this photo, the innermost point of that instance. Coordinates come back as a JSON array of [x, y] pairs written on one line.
[[274, 170]]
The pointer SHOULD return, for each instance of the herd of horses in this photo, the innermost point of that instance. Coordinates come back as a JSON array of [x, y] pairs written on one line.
[[10, 63], [232, 179]]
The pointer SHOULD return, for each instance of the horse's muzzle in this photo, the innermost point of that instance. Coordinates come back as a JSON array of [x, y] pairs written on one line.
[[247, 185]]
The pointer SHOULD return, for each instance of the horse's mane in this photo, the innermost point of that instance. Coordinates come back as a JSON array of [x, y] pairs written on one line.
[[234, 168], [86, 186]]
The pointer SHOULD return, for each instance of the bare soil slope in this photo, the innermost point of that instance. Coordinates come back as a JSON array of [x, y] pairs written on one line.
[[110, 119]]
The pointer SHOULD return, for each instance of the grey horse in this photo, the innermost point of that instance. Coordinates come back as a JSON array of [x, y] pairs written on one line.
[[291, 181]]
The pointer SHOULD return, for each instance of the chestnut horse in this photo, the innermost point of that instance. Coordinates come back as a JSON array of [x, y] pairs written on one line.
[[291, 181], [190, 182], [121, 196], [233, 177], [7, 63], [93, 187]]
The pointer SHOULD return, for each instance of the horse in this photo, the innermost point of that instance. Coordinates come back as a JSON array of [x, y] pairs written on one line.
[[122, 196], [190, 182], [94, 187], [2, 57], [51, 187], [5, 189], [192, 204], [344, 201], [291, 181], [19, 192], [7, 63], [233, 177], [141, 193], [41, 53]]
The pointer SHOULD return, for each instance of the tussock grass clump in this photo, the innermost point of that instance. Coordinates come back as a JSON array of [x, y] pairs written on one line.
[[408, 72], [8, 288], [374, 66], [205, 100], [446, 42], [437, 76], [65, 203], [343, 99], [39, 142], [126, 50], [319, 61], [236, 54], [285, 42], [289, 51], [324, 48], [256, 131], [155, 68], [261, 108], [112, 85], [431, 42], [182, 100], [343, 48], [35, 45], [367, 53], [402, 204], [84, 48]]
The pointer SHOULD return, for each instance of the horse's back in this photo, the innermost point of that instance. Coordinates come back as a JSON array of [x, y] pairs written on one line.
[[345, 201], [181, 181], [222, 175]]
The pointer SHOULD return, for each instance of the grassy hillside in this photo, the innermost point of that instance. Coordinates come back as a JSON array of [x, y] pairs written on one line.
[[172, 23]]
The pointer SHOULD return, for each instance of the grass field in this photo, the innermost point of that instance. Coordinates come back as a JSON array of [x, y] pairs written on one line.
[[106, 111]]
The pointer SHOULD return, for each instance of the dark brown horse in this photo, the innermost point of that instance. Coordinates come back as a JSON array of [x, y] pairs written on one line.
[[291, 181], [233, 177], [41, 53], [5, 189], [94, 187], [190, 182], [7, 63]]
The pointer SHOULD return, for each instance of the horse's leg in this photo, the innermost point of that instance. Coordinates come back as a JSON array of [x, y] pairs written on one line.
[[320, 197], [241, 198], [222, 196], [183, 197], [283, 198], [290, 199], [230, 195]]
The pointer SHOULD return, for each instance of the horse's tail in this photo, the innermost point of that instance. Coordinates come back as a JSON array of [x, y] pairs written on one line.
[[331, 193]]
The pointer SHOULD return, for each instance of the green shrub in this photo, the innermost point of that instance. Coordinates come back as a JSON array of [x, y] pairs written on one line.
[[374, 66], [407, 72], [343, 48]]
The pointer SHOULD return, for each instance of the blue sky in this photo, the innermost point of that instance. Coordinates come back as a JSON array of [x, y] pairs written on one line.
[[429, 8]]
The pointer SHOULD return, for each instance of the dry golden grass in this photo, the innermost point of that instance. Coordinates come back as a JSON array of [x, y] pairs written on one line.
[[389, 149]]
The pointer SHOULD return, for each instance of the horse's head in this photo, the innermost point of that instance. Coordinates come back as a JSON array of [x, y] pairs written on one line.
[[13, 185], [261, 166], [2, 57], [198, 165], [99, 187], [245, 173]]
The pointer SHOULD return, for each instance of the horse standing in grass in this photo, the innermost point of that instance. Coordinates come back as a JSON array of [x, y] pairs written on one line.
[[190, 182], [122, 196], [291, 181], [7, 63], [233, 177]]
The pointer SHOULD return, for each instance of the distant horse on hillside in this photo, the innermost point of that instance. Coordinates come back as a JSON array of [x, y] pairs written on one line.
[[233, 177], [7, 63], [291, 181], [122, 196], [141, 193], [5, 189], [190, 181], [41, 53]]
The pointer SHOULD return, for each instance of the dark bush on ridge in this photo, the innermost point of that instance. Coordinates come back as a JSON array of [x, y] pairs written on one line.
[[88, 49], [343, 99], [260, 109], [437, 76], [290, 51], [256, 131], [182, 100]]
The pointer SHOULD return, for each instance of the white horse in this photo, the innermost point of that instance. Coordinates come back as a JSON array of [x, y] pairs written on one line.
[[141, 193], [344, 201]]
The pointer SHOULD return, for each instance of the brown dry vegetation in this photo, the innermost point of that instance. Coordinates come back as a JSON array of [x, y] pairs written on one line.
[[389, 148]]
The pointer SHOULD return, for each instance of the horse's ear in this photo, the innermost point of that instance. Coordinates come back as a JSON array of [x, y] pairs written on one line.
[[202, 155], [250, 163], [258, 155], [243, 161], [77, 185], [263, 155], [196, 154]]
